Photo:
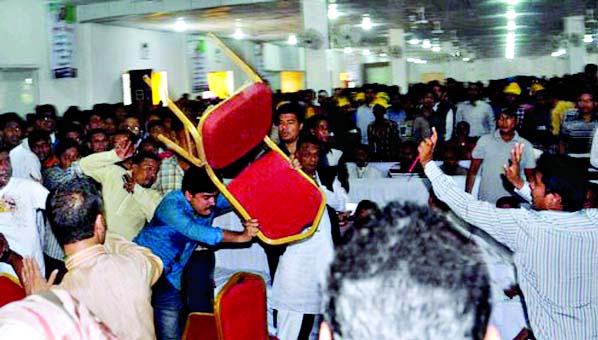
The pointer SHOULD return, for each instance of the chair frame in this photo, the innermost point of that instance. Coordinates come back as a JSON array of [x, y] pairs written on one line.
[[216, 316], [200, 160]]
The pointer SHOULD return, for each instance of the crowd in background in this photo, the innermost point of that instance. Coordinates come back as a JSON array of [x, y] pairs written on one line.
[[120, 148]]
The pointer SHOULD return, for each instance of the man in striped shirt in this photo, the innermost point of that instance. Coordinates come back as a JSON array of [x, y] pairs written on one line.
[[555, 245]]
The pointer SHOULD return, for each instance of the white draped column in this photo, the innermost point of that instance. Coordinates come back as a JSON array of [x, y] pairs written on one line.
[[398, 60], [574, 31], [317, 72]]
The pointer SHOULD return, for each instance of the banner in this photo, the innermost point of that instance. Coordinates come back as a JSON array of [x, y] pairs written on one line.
[[197, 52], [62, 19]]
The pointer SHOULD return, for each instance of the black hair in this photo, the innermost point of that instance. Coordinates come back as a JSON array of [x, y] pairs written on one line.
[[130, 134], [140, 156], [8, 117], [409, 250], [307, 139], [197, 180], [36, 136], [72, 210], [510, 201], [290, 107], [565, 176], [64, 145], [96, 131]]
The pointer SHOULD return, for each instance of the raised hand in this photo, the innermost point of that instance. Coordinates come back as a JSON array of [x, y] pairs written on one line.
[[426, 148], [513, 170], [33, 281], [124, 150]]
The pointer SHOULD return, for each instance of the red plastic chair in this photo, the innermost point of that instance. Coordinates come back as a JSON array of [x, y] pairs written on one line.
[[10, 290], [285, 201], [240, 313]]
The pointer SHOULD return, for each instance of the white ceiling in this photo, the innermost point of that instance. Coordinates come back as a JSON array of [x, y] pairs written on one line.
[[462, 27]]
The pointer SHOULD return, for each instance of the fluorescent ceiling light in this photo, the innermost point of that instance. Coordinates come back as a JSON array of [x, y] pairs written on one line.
[[512, 2], [510, 50], [239, 34], [292, 39], [511, 14], [426, 43], [511, 26], [436, 49], [559, 52], [414, 41], [180, 25], [366, 22], [383, 55], [588, 38], [466, 59]]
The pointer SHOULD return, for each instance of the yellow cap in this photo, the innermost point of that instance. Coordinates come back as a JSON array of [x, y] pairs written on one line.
[[379, 101], [513, 88], [360, 96], [342, 101], [537, 87], [383, 95]]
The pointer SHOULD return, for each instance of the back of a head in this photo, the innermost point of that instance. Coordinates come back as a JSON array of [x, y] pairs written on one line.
[[197, 180], [408, 275], [566, 177], [72, 210]]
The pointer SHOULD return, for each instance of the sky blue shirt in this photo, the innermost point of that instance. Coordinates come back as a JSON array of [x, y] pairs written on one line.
[[176, 230]]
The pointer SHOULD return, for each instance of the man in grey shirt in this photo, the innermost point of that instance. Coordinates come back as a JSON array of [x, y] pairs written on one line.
[[494, 150]]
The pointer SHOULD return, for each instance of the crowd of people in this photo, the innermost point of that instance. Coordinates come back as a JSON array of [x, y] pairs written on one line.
[[96, 207]]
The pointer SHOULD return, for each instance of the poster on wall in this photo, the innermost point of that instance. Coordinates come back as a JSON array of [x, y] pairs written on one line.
[[62, 19], [198, 54]]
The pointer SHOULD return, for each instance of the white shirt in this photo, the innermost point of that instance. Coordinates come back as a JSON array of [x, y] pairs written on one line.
[[554, 253], [594, 151], [479, 116], [301, 272], [25, 163], [19, 201], [364, 118], [367, 171]]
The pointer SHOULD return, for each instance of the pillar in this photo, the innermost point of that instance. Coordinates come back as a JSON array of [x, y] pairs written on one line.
[[317, 72], [398, 60], [576, 50]]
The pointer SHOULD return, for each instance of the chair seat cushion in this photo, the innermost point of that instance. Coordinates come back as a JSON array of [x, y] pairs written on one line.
[[238, 125], [283, 201]]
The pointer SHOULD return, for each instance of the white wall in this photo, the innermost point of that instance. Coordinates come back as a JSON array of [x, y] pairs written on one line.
[[493, 68], [24, 40], [116, 50]]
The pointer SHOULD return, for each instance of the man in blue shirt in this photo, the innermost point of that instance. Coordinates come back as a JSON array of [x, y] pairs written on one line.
[[181, 223]]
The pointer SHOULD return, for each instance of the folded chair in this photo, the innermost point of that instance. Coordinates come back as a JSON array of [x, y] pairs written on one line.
[[10, 289], [240, 313], [284, 201]]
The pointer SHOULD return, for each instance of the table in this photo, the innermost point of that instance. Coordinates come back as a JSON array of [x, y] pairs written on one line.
[[408, 188], [385, 166]]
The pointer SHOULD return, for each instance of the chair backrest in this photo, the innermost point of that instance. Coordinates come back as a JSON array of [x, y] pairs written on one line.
[[200, 326], [240, 309], [237, 125], [283, 200], [10, 290]]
